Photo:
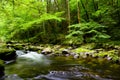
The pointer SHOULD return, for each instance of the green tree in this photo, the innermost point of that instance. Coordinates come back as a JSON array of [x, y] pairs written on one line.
[[29, 18]]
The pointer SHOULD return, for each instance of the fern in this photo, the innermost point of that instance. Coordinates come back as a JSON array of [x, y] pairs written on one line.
[[88, 32]]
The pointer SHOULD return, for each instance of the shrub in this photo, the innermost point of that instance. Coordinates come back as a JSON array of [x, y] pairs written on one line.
[[87, 32]]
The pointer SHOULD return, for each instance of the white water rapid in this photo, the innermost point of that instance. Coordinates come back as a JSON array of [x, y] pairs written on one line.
[[32, 58]]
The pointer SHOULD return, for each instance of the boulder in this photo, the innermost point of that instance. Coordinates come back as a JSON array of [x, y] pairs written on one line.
[[65, 51], [76, 56], [1, 69], [117, 61], [47, 51], [7, 54], [34, 48]]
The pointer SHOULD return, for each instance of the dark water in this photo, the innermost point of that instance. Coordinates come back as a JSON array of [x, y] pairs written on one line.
[[62, 68]]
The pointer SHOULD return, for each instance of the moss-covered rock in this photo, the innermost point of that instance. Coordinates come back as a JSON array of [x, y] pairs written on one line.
[[7, 54], [34, 48], [16, 46], [1, 68]]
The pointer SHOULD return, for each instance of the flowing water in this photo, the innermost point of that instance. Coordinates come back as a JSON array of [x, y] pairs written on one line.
[[34, 66]]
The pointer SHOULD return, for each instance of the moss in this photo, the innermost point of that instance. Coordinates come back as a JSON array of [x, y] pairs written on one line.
[[1, 63], [34, 48], [17, 46], [80, 49], [3, 46], [26, 70], [88, 46], [111, 54], [7, 54]]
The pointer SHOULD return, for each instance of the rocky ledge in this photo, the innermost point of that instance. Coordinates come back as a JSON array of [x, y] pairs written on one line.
[[7, 54]]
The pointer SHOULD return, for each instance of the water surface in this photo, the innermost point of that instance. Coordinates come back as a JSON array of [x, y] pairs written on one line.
[[35, 66]]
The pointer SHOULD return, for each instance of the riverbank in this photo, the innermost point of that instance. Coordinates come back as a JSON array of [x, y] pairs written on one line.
[[93, 50]]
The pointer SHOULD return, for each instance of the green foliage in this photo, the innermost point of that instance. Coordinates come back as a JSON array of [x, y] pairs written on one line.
[[28, 18], [75, 35], [1, 63], [108, 13], [88, 32], [44, 20], [104, 12], [111, 53], [35, 29]]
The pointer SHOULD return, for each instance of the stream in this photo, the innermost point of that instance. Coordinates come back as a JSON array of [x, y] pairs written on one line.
[[33, 66]]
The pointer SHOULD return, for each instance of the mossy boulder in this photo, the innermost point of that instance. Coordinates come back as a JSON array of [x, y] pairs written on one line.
[[7, 54], [47, 50], [16, 46], [34, 48], [1, 68]]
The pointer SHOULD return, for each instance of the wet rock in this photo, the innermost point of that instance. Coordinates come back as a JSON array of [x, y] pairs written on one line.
[[52, 55], [43, 52], [98, 50], [105, 56], [73, 53], [9, 62], [63, 75], [87, 54], [57, 46], [117, 61], [69, 48], [109, 58], [57, 52], [13, 77], [65, 51], [34, 48], [81, 53], [9, 42], [76, 56], [16, 46], [1, 69], [7, 54], [47, 51], [117, 47], [69, 75], [95, 57], [67, 55]]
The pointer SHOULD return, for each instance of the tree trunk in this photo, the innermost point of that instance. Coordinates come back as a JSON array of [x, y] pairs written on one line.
[[86, 12], [95, 3], [48, 6], [78, 11], [57, 5], [68, 12]]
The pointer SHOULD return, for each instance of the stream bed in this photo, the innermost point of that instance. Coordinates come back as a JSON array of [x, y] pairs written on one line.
[[34, 66]]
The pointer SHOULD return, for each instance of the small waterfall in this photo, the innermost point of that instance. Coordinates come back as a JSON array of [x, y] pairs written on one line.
[[32, 58], [20, 52]]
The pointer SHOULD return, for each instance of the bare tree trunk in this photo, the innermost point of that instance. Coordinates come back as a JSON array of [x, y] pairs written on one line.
[[57, 5], [78, 11], [95, 3], [68, 11], [48, 5]]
